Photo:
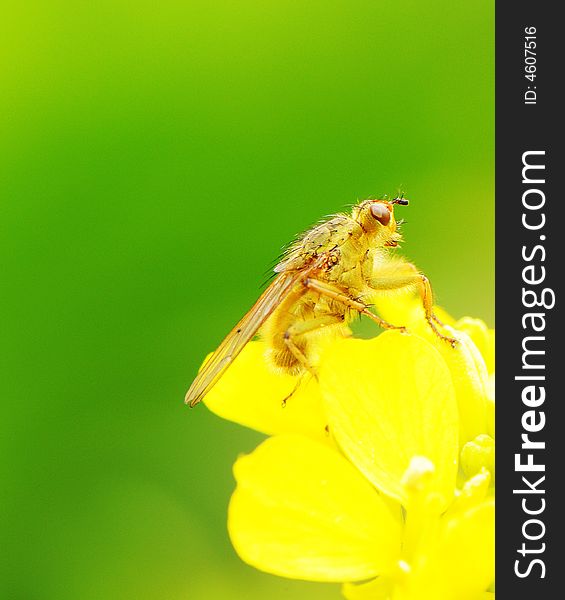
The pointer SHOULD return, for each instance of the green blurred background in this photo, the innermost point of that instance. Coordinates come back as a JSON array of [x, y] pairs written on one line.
[[154, 157]]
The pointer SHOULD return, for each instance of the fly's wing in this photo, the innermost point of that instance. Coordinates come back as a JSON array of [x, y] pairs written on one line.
[[239, 336]]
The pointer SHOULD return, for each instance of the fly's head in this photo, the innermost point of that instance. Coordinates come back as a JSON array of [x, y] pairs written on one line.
[[376, 218]]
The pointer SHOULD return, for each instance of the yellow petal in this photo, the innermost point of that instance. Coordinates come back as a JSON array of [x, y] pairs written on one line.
[[405, 308], [478, 454], [467, 552], [470, 364], [376, 589], [482, 336], [389, 399], [459, 565], [491, 406], [251, 394], [470, 378], [303, 511], [473, 492]]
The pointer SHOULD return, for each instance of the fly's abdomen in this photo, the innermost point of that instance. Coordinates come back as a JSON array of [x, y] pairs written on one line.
[[276, 332]]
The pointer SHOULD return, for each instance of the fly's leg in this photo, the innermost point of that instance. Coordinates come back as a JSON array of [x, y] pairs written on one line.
[[408, 276], [427, 301], [328, 290], [301, 379], [301, 328], [437, 320]]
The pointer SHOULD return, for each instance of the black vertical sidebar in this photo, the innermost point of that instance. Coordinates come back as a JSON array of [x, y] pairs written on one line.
[[530, 259]]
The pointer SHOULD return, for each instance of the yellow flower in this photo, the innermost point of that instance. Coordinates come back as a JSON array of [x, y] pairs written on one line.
[[359, 483]]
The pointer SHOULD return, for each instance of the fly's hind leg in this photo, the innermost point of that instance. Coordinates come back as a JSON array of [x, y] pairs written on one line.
[[291, 336], [303, 327], [294, 389]]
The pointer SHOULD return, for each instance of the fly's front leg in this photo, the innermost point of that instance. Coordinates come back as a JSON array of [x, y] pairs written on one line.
[[329, 291], [405, 275], [427, 300]]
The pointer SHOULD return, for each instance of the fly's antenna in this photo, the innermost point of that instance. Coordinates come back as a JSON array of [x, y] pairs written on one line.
[[400, 200]]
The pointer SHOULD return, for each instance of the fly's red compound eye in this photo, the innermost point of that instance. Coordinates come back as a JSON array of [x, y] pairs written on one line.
[[381, 212]]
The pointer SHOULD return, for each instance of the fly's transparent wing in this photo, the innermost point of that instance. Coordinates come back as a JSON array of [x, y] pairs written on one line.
[[236, 339]]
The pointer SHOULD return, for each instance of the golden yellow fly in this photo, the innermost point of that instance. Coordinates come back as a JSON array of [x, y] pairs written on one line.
[[323, 280]]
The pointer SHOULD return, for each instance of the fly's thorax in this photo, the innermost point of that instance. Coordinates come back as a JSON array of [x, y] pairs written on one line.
[[321, 239], [349, 260], [349, 276]]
